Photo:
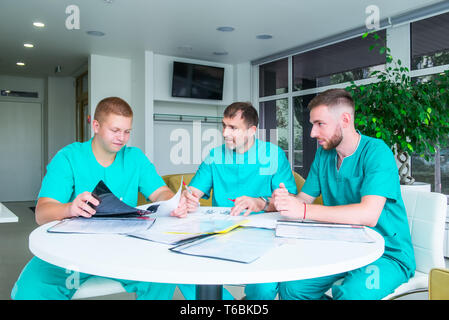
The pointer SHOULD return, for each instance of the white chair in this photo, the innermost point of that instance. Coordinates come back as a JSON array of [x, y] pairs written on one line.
[[426, 213], [96, 286]]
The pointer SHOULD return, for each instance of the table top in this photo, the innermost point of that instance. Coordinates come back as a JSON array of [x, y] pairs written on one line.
[[6, 215], [123, 257]]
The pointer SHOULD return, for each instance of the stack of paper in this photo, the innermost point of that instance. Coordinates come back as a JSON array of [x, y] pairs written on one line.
[[322, 231], [103, 225]]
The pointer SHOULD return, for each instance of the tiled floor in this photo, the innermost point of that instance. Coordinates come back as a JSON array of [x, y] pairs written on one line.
[[14, 253]]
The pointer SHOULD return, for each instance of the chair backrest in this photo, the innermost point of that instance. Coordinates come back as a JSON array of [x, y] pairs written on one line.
[[426, 213], [439, 284], [299, 180]]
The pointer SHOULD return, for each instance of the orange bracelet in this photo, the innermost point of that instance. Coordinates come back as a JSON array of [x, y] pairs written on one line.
[[304, 211]]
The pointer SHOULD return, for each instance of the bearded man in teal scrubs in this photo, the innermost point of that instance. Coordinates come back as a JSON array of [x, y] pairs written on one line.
[[358, 179], [243, 173], [75, 171]]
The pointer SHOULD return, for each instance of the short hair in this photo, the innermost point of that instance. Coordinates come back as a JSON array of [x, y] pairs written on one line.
[[248, 112], [113, 105], [331, 98]]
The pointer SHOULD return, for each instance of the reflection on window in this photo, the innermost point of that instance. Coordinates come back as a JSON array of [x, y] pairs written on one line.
[[345, 61], [274, 122], [430, 42], [273, 78], [431, 60]]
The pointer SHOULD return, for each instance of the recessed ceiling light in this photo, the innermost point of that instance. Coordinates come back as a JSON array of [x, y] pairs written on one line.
[[95, 33], [225, 29], [20, 63], [185, 48], [220, 53], [264, 36], [38, 24], [28, 45]]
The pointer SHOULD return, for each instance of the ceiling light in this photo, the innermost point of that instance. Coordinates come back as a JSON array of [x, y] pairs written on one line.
[[264, 36], [28, 45], [95, 33], [38, 24], [20, 63], [185, 48], [225, 29]]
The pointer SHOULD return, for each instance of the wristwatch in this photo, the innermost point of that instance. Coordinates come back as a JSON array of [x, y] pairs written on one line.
[[267, 202]]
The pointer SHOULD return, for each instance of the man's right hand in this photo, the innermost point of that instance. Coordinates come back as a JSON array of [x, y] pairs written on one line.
[[189, 202], [79, 207]]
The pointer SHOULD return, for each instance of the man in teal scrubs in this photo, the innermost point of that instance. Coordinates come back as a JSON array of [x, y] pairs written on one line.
[[358, 179], [75, 171], [243, 174]]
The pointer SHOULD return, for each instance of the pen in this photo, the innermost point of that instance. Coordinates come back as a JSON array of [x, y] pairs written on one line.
[[187, 187]]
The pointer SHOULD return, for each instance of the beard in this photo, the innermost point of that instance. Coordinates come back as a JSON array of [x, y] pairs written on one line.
[[335, 140]]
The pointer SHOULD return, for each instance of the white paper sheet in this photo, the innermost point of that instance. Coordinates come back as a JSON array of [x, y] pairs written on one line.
[[171, 230], [103, 225], [165, 207]]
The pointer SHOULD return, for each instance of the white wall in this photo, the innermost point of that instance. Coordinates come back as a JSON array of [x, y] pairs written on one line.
[[109, 76], [61, 110], [179, 147]]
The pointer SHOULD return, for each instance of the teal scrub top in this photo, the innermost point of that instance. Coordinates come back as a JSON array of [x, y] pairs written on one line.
[[370, 170], [74, 170], [257, 172]]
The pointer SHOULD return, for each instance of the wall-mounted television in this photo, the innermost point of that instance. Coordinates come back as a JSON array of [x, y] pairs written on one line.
[[197, 81]]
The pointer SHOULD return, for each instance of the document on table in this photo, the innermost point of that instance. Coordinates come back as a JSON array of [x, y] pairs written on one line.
[[103, 225], [171, 230], [243, 245], [163, 208], [322, 231]]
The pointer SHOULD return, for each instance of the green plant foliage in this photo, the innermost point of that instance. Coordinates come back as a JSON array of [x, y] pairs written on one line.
[[410, 117]]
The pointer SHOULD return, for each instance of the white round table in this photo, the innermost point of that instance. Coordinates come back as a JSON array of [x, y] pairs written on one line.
[[122, 257]]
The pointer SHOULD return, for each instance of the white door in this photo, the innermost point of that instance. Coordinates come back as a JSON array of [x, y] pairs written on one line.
[[20, 151]]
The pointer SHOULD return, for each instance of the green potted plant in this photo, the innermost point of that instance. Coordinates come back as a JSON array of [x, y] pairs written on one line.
[[411, 117]]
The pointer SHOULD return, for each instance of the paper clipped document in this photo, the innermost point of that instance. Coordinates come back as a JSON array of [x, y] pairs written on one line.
[[163, 208], [171, 230], [322, 231], [103, 225], [243, 245]]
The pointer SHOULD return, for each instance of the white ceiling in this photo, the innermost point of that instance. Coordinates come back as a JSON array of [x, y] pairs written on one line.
[[162, 26]]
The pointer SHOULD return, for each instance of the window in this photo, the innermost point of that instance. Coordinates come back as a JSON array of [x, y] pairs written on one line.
[[430, 42], [284, 115], [345, 61], [273, 78]]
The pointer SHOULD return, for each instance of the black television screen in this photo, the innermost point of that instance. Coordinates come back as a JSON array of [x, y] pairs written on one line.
[[197, 81]]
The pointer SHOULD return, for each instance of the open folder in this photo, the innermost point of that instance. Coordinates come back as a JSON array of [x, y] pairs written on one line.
[[312, 230]]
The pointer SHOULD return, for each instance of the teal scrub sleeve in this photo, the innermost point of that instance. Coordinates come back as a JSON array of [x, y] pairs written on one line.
[[58, 183], [149, 179], [284, 174], [312, 186], [203, 180], [380, 172]]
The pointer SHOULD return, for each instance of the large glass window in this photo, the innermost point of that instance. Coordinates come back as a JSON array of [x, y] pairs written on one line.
[[345, 61], [273, 78], [274, 123], [430, 42]]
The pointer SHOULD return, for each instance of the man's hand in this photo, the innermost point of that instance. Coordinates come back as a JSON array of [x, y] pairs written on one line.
[[287, 205], [189, 202], [247, 203], [79, 207]]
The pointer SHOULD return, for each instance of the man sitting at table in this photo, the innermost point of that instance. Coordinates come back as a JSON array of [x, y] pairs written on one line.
[[243, 173], [358, 179], [75, 171]]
